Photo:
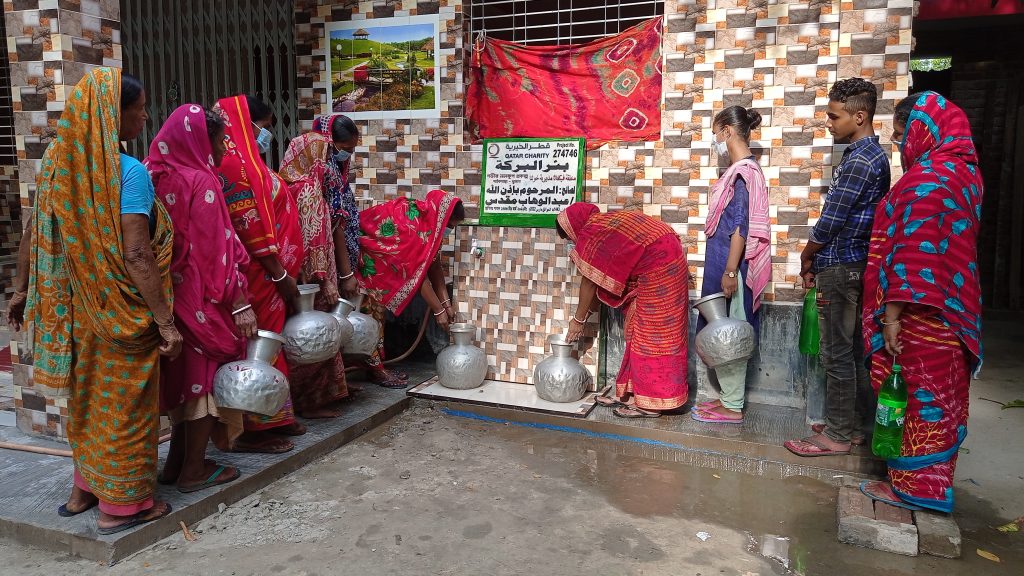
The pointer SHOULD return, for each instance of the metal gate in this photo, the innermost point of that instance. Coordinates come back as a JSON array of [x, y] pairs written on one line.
[[203, 50]]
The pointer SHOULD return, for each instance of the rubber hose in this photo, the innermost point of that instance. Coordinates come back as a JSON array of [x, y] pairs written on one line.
[[419, 338]]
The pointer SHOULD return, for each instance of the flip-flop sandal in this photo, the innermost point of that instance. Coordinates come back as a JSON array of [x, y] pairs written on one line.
[[265, 448], [163, 480], [609, 402], [809, 448], [857, 438], [136, 520], [63, 511], [633, 413], [877, 498], [708, 405], [393, 384], [712, 417], [215, 479]]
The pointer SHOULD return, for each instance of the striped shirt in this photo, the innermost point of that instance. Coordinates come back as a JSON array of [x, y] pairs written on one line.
[[858, 183]]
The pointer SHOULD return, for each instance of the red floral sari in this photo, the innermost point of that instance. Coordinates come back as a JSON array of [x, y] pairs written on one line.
[[304, 170], [400, 240], [638, 263], [266, 220]]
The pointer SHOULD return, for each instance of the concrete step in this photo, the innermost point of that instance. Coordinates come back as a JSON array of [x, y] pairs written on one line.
[[754, 447], [33, 486]]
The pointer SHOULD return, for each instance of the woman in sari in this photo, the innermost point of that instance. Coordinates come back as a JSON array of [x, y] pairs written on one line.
[[210, 306], [341, 202], [738, 259], [400, 251], [315, 388], [631, 260], [266, 221], [922, 302], [99, 294]]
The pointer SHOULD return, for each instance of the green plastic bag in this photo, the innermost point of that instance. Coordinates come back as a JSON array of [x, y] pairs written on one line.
[[810, 338]]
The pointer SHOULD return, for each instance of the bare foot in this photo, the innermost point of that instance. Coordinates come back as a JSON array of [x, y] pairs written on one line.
[[321, 413], [724, 412], [293, 429], [207, 476], [108, 522], [262, 442], [80, 501]]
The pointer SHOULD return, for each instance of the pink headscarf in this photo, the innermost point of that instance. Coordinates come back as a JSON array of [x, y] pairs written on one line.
[[208, 268], [759, 233]]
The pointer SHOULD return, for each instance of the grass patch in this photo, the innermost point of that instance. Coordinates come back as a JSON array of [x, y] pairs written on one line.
[[425, 100]]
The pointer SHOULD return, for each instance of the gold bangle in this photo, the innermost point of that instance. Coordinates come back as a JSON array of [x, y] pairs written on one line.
[[893, 323]]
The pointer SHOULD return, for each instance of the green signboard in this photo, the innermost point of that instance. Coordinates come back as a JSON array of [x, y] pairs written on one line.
[[528, 181]]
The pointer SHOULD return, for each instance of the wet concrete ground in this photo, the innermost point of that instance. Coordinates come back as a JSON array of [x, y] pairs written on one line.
[[435, 494]]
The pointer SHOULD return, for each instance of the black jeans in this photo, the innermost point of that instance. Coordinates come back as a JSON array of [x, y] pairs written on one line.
[[848, 394]]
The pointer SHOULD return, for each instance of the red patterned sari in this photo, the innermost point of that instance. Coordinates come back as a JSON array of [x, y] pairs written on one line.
[[400, 239], [923, 254], [266, 220], [304, 170], [638, 263]]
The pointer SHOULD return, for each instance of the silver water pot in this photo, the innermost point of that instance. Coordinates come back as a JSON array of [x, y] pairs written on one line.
[[365, 330], [253, 384], [724, 340], [340, 313], [462, 365], [311, 336], [561, 377]]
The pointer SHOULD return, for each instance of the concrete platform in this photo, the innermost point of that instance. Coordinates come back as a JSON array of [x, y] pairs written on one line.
[[33, 486], [754, 447]]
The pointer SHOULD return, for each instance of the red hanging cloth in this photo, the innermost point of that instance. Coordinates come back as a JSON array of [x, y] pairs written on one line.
[[605, 90]]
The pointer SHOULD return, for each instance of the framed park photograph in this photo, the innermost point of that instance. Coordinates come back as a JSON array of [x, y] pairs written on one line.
[[385, 68]]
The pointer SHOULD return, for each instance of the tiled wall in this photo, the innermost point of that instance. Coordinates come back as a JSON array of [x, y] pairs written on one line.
[[779, 56], [51, 45]]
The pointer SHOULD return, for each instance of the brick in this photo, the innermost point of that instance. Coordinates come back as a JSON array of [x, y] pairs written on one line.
[[891, 513], [938, 534], [852, 502], [857, 526]]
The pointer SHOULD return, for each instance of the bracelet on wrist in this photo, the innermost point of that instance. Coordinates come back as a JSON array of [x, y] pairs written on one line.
[[895, 322], [242, 309], [446, 302], [575, 319], [283, 276], [436, 314], [346, 276], [167, 324]]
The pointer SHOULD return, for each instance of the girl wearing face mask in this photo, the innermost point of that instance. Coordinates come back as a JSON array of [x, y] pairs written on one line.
[[737, 261]]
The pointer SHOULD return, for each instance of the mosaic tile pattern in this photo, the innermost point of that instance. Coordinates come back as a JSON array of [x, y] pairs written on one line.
[[522, 290], [51, 45]]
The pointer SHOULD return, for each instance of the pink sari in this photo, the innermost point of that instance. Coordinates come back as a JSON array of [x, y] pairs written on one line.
[[209, 262]]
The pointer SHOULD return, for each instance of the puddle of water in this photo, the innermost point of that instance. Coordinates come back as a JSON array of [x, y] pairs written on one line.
[[792, 520]]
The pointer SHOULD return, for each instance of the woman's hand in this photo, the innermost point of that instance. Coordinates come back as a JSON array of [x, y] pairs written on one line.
[[442, 320], [575, 331], [245, 322], [171, 341], [729, 285], [349, 287], [891, 335], [16, 310], [288, 288], [449, 308]]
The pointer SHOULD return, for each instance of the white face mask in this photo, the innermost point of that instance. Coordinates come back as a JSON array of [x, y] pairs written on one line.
[[721, 148]]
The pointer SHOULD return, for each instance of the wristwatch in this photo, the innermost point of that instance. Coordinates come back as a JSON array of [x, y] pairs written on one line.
[[731, 274]]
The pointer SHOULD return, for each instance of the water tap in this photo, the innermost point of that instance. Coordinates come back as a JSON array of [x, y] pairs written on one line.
[[476, 250]]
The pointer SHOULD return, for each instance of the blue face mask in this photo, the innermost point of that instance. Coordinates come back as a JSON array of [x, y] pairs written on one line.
[[342, 156], [263, 139]]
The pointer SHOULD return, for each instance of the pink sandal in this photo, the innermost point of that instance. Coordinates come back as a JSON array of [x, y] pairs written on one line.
[[713, 417]]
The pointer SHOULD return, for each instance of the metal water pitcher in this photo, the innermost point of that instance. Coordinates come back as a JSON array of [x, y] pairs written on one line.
[[561, 377], [462, 365], [311, 336], [253, 384], [340, 313], [724, 340], [365, 329]]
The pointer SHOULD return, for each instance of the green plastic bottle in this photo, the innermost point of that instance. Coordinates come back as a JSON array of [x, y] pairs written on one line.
[[890, 416], [810, 339]]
